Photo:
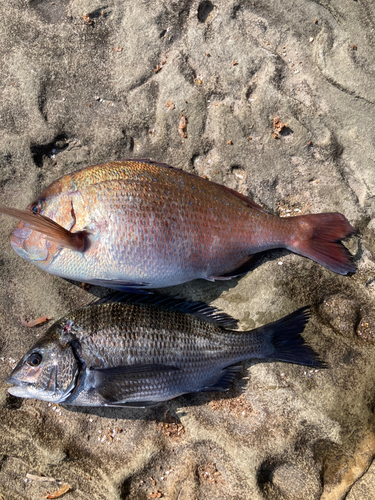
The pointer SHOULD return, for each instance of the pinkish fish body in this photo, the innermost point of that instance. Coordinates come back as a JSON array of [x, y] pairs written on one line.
[[141, 223]]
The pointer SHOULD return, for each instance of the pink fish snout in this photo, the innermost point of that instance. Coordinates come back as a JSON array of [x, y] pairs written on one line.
[[28, 244]]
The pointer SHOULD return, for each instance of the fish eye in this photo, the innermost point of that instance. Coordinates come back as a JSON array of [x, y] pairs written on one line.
[[35, 359], [38, 206]]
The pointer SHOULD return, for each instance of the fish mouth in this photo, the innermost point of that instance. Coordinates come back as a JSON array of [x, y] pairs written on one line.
[[18, 392], [15, 381], [19, 388], [16, 242], [23, 248]]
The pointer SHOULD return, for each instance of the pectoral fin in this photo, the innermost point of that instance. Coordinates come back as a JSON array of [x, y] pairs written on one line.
[[50, 229], [134, 404], [132, 372], [121, 383]]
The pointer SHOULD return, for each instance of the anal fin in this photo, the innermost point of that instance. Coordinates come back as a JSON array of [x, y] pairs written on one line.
[[225, 379], [242, 269]]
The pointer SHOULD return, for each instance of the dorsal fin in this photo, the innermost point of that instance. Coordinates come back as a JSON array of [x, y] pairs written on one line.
[[242, 197], [198, 309], [152, 162]]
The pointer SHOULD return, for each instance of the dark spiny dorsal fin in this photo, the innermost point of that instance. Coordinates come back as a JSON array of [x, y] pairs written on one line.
[[198, 309]]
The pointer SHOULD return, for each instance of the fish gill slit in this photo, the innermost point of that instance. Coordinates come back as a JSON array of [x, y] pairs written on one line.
[[72, 212]]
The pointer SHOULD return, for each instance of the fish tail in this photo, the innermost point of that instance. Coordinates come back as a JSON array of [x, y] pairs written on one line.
[[285, 342], [318, 237]]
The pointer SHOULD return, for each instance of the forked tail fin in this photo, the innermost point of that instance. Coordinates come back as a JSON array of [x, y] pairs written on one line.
[[318, 237], [287, 343]]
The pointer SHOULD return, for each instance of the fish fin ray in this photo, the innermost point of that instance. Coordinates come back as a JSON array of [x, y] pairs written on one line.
[[51, 230], [134, 404], [241, 270], [118, 383], [152, 162], [288, 345], [198, 309], [318, 237], [250, 203], [117, 284], [225, 379]]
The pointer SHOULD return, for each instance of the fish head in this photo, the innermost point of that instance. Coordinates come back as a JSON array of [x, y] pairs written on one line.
[[49, 372], [34, 245]]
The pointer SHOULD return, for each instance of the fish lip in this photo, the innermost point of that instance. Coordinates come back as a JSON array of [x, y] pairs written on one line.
[[14, 381], [17, 391], [16, 241], [22, 231], [18, 387]]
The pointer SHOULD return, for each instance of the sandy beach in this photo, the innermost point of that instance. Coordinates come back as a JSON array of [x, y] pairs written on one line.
[[273, 99]]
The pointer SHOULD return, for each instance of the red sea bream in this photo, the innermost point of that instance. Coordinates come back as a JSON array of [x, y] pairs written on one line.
[[146, 224]]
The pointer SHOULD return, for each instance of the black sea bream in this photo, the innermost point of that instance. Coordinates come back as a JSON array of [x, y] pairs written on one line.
[[136, 350]]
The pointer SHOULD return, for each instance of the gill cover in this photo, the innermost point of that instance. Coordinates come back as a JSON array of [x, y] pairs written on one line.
[[48, 372]]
